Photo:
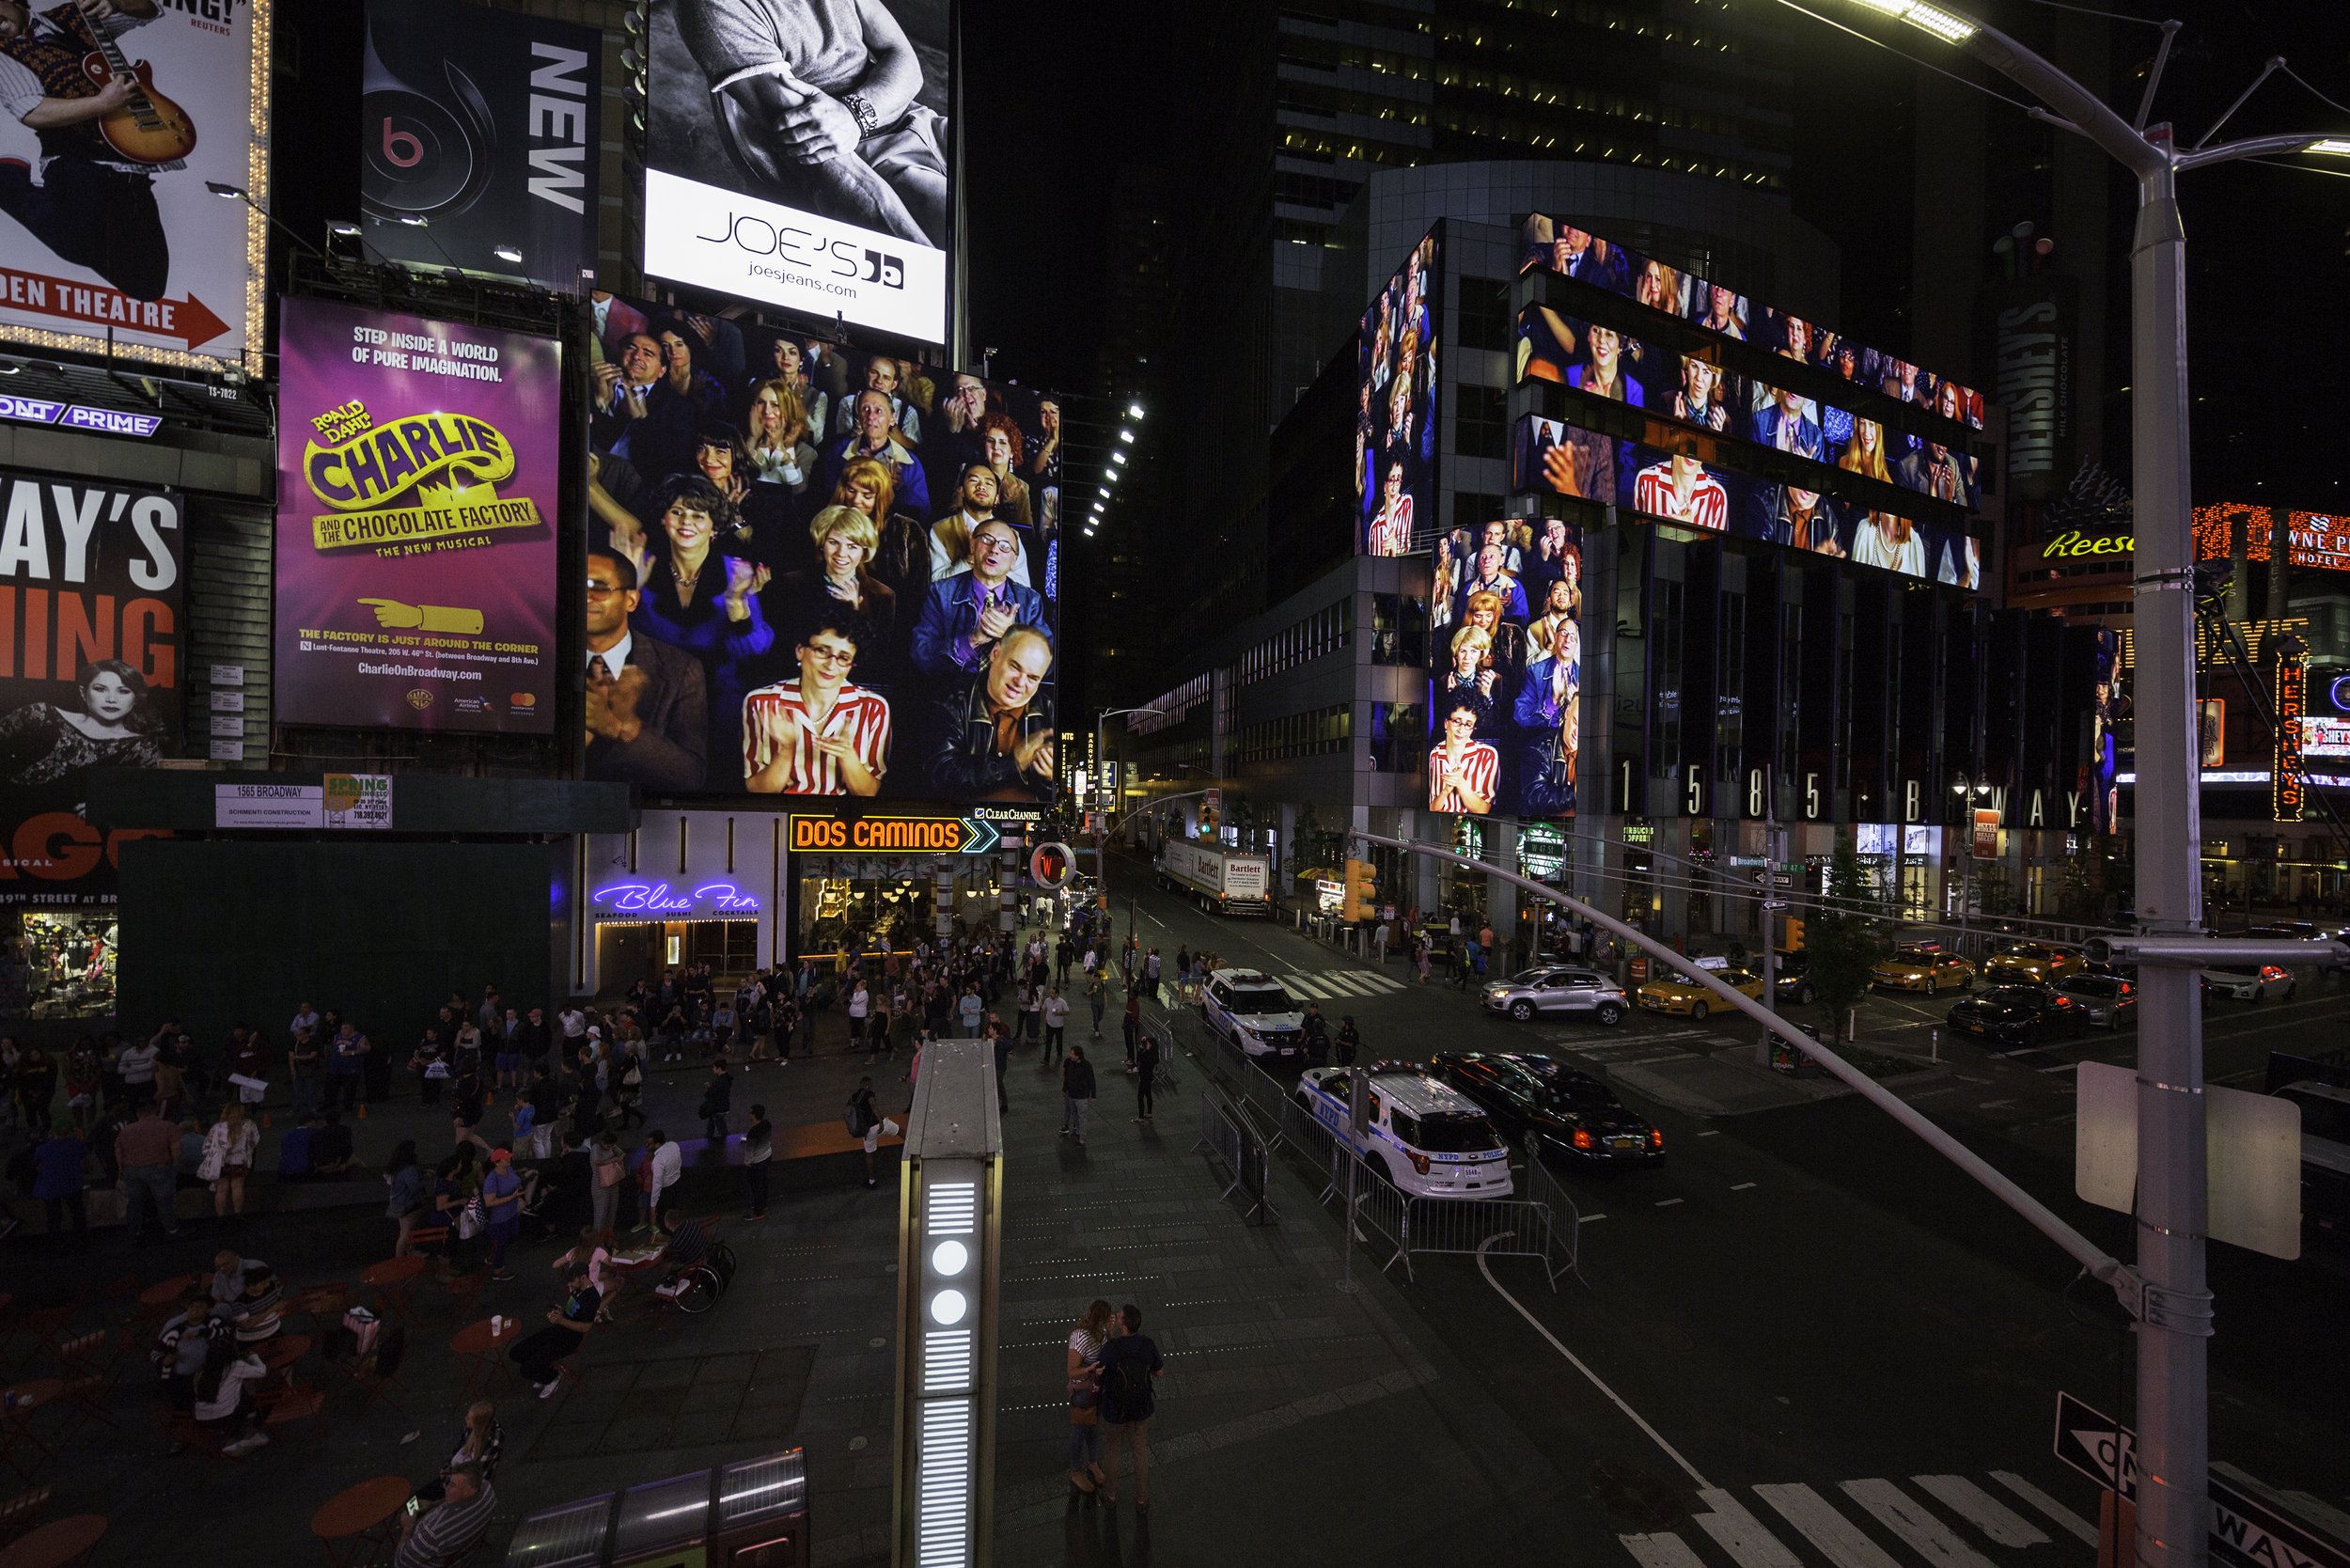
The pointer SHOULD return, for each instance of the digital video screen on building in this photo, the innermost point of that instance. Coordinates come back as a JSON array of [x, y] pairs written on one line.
[[1696, 389], [1685, 477], [814, 570], [1395, 412], [2318, 540], [1558, 245], [798, 156], [1505, 668]]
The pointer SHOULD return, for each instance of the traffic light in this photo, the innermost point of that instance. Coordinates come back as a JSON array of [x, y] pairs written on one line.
[[1362, 891], [1794, 935]]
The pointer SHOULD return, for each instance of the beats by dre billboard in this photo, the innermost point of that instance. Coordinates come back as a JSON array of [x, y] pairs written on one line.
[[481, 131]]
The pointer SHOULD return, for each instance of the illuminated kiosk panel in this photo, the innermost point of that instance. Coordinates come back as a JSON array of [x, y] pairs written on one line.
[[950, 1220]]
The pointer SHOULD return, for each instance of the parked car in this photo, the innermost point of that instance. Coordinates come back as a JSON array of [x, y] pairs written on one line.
[[2035, 962], [1557, 989], [2019, 1014], [1926, 970], [2105, 1000], [1675, 994], [1550, 1111], [2250, 982], [1419, 1136], [1250, 1009]]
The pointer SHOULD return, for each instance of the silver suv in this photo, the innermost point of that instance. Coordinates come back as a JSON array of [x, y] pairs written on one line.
[[1557, 989]]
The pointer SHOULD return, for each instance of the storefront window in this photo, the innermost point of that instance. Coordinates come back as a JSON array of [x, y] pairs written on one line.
[[862, 902], [58, 966]]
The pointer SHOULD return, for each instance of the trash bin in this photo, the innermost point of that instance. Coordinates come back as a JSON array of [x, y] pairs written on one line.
[[1786, 1058], [752, 1514]]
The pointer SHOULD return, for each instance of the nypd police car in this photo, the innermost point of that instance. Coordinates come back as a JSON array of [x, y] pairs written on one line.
[[1419, 1136], [1250, 1009]]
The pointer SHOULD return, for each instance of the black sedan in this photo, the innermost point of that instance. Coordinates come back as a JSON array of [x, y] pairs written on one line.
[[2019, 1015], [1549, 1108], [1794, 985]]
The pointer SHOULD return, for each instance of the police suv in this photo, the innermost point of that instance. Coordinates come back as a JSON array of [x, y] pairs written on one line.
[[1250, 1009], [1419, 1136]]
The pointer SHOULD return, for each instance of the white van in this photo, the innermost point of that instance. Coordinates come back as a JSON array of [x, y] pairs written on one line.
[[1423, 1138]]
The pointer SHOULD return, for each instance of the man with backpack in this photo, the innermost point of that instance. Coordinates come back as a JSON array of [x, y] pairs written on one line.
[[866, 1123], [717, 1102], [1350, 1041], [1130, 1365]]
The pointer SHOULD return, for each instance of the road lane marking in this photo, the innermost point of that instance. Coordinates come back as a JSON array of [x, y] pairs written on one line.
[[1927, 1535], [1742, 1187], [1661, 1551], [1711, 1132], [1816, 1519], [1589, 1218], [1485, 1268], [1992, 1105], [1668, 1202], [2063, 1516], [1741, 1534], [1981, 1510]]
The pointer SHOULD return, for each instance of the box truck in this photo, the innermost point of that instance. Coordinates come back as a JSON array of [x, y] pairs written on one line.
[[1218, 878]]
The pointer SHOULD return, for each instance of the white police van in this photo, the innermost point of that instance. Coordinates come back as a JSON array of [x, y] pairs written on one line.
[[1250, 1009], [1420, 1136]]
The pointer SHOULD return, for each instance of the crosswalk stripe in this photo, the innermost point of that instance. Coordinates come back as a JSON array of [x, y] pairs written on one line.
[[1340, 979], [1927, 1535], [1981, 1510], [1661, 1551], [1304, 987], [2058, 1513], [1837, 1537], [1741, 1534]]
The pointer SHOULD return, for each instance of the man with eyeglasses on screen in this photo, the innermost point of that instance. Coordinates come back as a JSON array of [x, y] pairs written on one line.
[[647, 704], [969, 612], [817, 734]]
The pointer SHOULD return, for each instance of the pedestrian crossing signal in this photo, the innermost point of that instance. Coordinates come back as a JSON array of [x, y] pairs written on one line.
[[1362, 891]]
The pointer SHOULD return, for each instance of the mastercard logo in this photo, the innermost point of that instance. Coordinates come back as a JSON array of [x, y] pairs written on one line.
[[419, 698], [526, 699]]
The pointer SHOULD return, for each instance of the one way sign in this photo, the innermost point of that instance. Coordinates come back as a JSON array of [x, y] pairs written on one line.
[[2244, 1529]]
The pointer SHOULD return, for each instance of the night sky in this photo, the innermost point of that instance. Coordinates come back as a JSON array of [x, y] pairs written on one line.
[[1082, 85]]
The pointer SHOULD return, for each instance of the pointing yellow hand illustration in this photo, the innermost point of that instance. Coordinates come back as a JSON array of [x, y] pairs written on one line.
[[425, 617]]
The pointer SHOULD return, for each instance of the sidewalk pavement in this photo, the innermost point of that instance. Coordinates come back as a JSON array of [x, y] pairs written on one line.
[[1283, 1394], [797, 1352]]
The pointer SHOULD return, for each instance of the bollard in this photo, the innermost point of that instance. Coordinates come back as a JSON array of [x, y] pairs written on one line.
[[1933, 1044]]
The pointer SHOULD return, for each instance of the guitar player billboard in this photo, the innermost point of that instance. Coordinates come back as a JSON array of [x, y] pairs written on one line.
[[483, 124], [129, 136]]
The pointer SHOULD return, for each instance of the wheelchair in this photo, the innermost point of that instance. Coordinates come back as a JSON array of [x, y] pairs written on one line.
[[699, 1287]]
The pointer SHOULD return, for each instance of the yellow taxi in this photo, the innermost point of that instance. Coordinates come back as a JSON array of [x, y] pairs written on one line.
[[2030, 961], [1674, 994], [1926, 970]]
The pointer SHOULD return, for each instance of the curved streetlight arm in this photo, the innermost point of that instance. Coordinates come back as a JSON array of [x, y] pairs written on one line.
[[2100, 1264], [2249, 146], [2083, 110]]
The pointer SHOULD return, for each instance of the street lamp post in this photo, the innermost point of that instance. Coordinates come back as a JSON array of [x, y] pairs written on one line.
[[1100, 834], [2176, 1314]]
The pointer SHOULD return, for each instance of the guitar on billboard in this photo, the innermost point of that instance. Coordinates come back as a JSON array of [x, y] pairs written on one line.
[[150, 128]]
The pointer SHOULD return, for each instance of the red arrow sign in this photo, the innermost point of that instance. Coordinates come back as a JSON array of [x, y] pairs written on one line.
[[190, 320]]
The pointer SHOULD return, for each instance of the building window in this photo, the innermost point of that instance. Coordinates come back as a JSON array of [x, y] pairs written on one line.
[[1399, 630], [1484, 314], [1481, 423], [1399, 735], [1471, 512]]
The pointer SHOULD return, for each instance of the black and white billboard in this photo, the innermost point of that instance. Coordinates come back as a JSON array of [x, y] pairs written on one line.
[[481, 131], [796, 154]]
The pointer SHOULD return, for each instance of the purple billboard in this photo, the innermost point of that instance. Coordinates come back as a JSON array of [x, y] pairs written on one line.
[[416, 470]]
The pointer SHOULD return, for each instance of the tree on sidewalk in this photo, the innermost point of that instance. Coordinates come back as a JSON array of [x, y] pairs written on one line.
[[1845, 937]]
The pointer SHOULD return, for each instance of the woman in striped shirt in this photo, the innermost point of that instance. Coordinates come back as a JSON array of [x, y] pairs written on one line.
[[1461, 770], [817, 734]]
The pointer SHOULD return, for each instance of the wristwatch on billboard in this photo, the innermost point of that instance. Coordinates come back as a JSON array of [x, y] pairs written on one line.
[[867, 121]]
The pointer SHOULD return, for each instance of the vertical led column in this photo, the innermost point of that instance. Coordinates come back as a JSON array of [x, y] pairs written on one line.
[[950, 1221]]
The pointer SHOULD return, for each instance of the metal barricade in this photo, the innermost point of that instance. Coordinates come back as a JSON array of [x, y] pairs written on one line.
[[1477, 1226], [1226, 1132], [1541, 1185]]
